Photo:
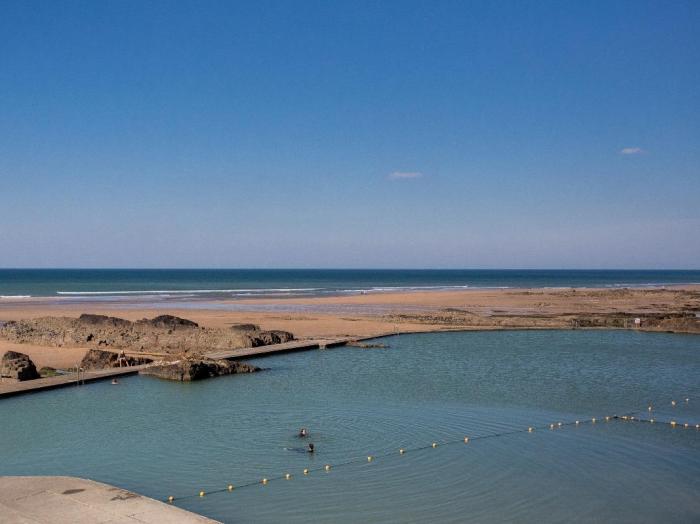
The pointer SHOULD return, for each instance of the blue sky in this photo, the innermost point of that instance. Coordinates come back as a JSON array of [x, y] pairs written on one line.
[[355, 134]]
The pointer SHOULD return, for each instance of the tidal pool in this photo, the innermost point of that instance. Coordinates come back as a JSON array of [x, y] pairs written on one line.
[[161, 438]]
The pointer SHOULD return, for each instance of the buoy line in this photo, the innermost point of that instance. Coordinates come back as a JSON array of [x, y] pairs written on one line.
[[672, 423], [629, 416]]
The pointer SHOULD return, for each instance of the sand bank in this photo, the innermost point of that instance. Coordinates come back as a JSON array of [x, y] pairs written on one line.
[[662, 309]]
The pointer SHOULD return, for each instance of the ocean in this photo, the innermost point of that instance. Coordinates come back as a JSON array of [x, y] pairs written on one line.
[[209, 284]]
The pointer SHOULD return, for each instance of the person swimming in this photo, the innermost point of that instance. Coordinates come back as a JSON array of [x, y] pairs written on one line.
[[303, 433], [115, 382], [308, 449]]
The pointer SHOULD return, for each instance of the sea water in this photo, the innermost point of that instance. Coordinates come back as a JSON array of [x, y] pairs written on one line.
[[207, 284], [163, 438]]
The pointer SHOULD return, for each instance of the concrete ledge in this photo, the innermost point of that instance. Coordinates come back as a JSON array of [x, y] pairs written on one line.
[[60, 381], [68, 500]]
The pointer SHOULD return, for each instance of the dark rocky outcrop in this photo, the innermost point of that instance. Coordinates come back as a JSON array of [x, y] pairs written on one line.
[[265, 338], [98, 359], [17, 366], [169, 322], [188, 370], [88, 319], [162, 335]]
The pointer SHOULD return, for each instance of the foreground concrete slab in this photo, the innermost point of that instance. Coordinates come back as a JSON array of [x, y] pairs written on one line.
[[71, 500]]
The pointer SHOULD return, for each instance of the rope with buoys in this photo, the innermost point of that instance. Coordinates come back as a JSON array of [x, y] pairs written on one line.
[[629, 416]]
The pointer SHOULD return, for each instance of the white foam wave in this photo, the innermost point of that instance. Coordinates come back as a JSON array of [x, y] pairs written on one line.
[[182, 291], [415, 288], [15, 296], [652, 284]]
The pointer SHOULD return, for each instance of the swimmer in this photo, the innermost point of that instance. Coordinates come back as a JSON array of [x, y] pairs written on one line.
[[115, 382], [303, 433], [310, 449]]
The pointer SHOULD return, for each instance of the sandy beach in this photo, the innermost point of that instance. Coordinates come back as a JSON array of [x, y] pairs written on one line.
[[660, 309]]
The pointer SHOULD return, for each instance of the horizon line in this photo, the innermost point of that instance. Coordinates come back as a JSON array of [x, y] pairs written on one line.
[[194, 268]]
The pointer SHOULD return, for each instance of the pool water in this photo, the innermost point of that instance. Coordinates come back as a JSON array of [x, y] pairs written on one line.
[[162, 438]]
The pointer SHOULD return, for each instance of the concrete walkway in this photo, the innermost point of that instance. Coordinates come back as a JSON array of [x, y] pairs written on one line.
[[70, 500], [41, 384], [9, 389], [272, 349]]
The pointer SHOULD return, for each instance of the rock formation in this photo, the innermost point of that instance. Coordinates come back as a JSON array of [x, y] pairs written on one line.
[[88, 319], [265, 338], [258, 337], [168, 322], [98, 359], [17, 366], [187, 370], [163, 335]]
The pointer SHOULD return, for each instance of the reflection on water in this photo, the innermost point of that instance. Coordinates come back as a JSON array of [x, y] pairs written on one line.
[[161, 438]]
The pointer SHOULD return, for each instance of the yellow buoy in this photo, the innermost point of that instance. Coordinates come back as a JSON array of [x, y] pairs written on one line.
[[171, 498], [559, 424], [466, 440], [649, 408], [673, 402], [687, 400], [230, 487], [402, 451], [201, 493], [530, 429], [327, 467], [369, 458], [577, 422], [306, 471], [673, 423], [264, 481], [287, 476], [652, 421], [551, 426], [685, 425], [697, 426], [593, 420], [434, 444]]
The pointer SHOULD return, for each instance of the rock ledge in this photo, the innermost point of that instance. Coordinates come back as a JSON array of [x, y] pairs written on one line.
[[187, 370], [18, 366]]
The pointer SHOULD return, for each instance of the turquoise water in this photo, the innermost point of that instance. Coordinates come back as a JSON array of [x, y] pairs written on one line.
[[177, 284], [161, 438]]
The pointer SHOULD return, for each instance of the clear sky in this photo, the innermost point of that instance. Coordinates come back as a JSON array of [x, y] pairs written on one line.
[[350, 134]]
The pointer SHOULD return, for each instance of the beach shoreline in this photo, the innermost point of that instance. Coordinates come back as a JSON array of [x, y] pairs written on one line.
[[669, 308]]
